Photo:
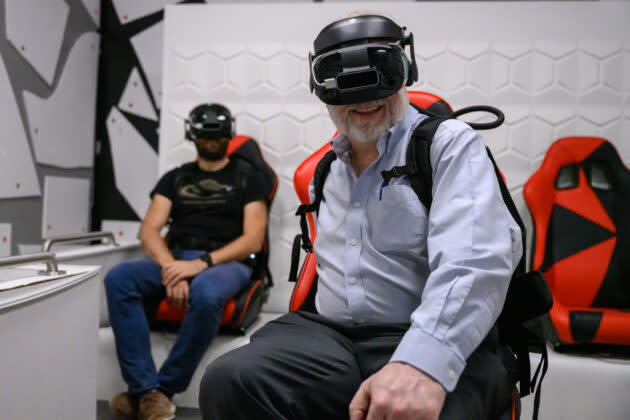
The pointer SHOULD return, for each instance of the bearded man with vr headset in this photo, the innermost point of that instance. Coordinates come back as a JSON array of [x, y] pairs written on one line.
[[406, 298], [216, 211]]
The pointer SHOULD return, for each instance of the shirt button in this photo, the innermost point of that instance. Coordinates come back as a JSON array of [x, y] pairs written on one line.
[[357, 204], [451, 373], [353, 242], [353, 281]]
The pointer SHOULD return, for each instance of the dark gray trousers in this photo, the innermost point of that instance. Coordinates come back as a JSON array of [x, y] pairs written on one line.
[[303, 366]]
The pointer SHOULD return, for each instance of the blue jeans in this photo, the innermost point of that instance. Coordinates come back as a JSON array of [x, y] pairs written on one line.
[[129, 284]]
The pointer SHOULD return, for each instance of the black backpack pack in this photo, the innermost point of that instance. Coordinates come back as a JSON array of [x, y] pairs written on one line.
[[528, 296]]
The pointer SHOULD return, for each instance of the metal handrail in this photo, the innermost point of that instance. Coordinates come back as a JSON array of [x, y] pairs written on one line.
[[78, 238], [47, 257]]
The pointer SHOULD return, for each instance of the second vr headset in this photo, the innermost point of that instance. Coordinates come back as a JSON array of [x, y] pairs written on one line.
[[209, 121], [360, 59]]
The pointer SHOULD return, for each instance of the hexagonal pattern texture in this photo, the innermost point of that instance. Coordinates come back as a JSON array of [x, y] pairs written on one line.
[[547, 85]]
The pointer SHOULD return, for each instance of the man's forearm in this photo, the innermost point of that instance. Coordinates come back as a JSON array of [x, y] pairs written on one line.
[[155, 247], [237, 250]]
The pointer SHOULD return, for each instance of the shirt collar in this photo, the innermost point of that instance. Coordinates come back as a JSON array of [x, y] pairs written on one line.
[[341, 144]]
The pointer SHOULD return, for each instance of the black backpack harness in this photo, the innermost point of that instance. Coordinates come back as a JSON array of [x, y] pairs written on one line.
[[528, 296]]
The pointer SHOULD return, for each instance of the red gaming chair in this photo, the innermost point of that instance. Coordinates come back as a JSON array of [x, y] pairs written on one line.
[[580, 202], [303, 297], [240, 312]]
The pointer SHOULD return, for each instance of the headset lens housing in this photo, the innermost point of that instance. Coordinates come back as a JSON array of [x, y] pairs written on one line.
[[359, 73]]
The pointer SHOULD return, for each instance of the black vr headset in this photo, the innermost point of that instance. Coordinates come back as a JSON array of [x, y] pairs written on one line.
[[209, 121], [360, 59]]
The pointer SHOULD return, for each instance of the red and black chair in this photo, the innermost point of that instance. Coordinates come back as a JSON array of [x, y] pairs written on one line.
[[579, 199], [303, 296], [239, 313]]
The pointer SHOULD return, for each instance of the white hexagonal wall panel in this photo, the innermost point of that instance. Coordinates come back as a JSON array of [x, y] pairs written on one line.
[[489, 71], [301, 104], [600, 48], [249, 126], [5, 239], [426, 49], [207, 71], [578, 71], [613, 72], [245, 71], [282, 134], [318, 131], [497, 139], [148, 47], [135, 162], [26, 21], [228, 96], [513, 102], [66, 206], [446, 72], [135, 98], [515, 168], [284, 71], [19, 178], [123, 230], [600, 106], [93, 8], [264, 103], [555, 105], [555, 48], [129, 11], [532, 72], [531, 137], [265, 50], [62, 125], [468, 49], [512, 49], [623, 141]]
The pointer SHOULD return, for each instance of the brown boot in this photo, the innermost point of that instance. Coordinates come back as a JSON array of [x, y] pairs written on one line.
[[124, 406], [154, 405]]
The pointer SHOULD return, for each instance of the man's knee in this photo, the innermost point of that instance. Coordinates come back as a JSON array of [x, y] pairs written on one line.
[[117, 278], [206, 300], [222, 380]]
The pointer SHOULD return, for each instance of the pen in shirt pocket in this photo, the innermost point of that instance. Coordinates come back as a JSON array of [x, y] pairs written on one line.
[[380, 193]]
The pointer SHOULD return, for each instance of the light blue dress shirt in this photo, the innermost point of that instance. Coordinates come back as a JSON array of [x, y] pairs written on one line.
[[383, 258]]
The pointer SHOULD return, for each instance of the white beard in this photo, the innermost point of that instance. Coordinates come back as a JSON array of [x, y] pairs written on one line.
[[370, 132]]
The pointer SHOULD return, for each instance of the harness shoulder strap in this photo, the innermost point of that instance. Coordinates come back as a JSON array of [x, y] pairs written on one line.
[[418, 160], [319, 178], [243, 167], [184, 172]]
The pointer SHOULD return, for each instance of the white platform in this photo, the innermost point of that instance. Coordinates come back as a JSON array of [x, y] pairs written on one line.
[[582, 388]]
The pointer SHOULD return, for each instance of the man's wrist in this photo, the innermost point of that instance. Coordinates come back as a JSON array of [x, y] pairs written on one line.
[[207, 258]]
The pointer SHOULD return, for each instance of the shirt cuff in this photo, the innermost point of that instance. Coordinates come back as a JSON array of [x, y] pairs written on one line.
[[431, 356]]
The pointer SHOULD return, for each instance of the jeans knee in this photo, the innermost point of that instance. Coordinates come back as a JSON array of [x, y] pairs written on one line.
[[116, 278], [205, 301]]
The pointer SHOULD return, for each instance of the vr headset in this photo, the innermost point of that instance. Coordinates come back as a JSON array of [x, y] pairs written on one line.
[[361, 59], [209, 121]]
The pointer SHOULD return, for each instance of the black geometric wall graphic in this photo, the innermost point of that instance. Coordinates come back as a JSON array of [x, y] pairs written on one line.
[[118, 59]]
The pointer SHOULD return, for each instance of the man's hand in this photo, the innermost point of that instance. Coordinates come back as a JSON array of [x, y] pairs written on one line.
[[175, 271], [178, 294], [398, 391]]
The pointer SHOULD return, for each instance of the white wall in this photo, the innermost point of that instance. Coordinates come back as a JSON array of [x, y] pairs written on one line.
[[555, 68]]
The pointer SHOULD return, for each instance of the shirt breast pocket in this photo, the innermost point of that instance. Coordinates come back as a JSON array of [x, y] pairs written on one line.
[[397, 222]]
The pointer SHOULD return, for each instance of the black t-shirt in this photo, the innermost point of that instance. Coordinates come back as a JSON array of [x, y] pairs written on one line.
[[210, 204]]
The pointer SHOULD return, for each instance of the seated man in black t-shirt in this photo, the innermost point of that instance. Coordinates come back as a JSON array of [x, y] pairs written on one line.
[[217, 217]]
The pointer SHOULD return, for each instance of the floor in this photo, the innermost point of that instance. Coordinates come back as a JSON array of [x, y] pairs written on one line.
[[103, 412]]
